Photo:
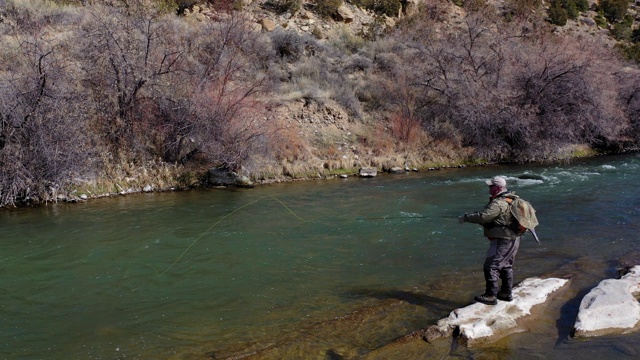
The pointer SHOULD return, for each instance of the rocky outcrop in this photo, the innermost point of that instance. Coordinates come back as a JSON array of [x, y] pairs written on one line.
[[304, 21], [479, 323], [223, 177], [611, 307], [345, 14]]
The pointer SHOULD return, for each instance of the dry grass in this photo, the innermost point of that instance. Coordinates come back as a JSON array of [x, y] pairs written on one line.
[[35, 6]]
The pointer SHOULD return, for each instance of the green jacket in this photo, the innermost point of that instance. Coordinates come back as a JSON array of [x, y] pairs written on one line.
[[495, 218]]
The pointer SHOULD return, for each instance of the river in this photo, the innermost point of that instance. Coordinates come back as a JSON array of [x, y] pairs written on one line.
[[328, 269]]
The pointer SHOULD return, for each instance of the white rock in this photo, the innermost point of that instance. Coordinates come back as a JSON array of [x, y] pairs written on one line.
[[610, 307], [480, 323]]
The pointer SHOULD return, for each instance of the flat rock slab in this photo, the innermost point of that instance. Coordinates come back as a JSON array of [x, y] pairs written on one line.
[[479, 323], [611, 307]]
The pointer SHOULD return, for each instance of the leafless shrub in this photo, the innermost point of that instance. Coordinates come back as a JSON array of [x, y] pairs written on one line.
[[343, 94], [224, 125], [404, 128], [387, 62], [357, 63], [346, 42], [629, 80], [44, 142], [126, 55], [558, 90], [288, 44], [320, 74], [503, 93]]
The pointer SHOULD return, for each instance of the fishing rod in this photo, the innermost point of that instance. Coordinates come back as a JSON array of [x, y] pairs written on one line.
[[390, 218]]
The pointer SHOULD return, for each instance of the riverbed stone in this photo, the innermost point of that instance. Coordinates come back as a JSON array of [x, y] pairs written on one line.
[[479, 323], [611, 307]]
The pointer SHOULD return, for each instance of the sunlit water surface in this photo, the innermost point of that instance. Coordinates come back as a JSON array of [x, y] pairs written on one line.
[[221, 272]]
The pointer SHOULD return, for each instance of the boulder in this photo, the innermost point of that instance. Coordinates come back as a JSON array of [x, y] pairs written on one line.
[[611, 307], [479, 323], [345, 14], [268, 25], [588, 21], [368, 172], [223, 177]]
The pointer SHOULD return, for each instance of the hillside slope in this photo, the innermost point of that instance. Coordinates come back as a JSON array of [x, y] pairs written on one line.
[[99, 98]]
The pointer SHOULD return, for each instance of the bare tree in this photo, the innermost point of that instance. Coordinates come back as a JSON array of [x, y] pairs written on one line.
[[128, 55], [557, 86], [224, 125], [509, 95], [629, 80], [460, 82], [43, 141]]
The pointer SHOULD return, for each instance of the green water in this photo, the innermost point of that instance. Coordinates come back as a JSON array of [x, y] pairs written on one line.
[[217, 273]]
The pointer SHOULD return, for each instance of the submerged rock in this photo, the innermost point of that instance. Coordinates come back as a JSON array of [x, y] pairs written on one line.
[[480, 323], [610, 307]]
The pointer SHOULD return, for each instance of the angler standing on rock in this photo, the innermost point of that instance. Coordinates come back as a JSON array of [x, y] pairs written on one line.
[[496, 219]]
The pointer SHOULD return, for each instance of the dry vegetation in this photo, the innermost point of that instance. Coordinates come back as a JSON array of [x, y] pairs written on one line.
[[106, 96]]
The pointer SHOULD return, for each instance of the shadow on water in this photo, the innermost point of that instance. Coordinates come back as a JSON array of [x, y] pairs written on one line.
[[568, 315], [432, 303], [584, 284]]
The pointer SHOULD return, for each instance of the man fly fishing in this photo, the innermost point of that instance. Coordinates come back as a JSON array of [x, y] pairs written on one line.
[[496, 219]]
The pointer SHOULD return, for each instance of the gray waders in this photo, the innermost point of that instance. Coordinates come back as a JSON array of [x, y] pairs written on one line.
[[499, 265]]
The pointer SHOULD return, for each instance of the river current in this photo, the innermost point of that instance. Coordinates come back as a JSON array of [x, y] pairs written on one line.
[[328, 269]]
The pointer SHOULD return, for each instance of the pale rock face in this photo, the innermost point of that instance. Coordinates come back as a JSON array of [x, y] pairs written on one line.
[[610, 307], [480, 323], [345, 14]]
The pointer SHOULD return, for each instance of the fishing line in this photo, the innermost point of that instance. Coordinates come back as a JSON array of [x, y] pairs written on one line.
[[220, 220], [293, 214], [393, 218]]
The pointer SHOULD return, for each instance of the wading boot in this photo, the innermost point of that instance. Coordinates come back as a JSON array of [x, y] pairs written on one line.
[[486, 299], [505, 296]]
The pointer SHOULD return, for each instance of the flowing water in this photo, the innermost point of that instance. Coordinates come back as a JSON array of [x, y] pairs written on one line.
[[331, 269]]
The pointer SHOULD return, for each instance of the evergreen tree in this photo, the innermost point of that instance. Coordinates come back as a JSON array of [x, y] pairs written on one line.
[[557, 14]]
